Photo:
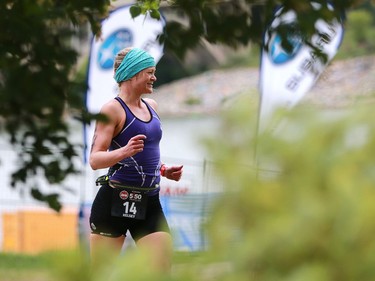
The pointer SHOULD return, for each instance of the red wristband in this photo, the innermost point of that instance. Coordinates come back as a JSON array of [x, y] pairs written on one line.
[[162, 170]]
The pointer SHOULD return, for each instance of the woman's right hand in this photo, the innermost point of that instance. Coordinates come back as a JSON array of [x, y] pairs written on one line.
[[134, 145]]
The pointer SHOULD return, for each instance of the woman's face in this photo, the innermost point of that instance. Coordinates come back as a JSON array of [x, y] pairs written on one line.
[[145, 79]]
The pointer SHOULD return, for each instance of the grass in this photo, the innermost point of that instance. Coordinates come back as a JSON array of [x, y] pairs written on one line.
[[23, 267]]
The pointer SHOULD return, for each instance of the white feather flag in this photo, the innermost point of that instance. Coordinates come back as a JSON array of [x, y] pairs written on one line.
[[287, 75]]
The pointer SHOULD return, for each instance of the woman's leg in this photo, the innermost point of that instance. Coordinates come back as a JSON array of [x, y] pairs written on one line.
[[158, 246], [102, 248]]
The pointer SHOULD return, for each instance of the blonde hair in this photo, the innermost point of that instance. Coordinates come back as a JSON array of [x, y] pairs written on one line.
[[120, 57]]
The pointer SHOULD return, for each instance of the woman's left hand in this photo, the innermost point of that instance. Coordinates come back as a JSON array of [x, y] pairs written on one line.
[[173, 172]]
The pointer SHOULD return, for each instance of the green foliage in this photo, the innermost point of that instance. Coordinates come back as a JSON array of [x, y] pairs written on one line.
[[251, 58], [309, 212], [146, 7], [193, 101], [18, 262], [37, 88], [76, 265], [359, 36], [22, 267], [232, 23]]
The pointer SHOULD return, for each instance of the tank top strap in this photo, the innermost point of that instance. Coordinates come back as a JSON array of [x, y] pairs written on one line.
[[125, 107], [121, 102], [151, 109]]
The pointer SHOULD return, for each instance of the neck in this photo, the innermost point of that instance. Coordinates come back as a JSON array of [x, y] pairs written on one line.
[[130, 99]]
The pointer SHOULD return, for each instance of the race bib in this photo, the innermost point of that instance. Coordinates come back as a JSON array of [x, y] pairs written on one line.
[[129, 203]]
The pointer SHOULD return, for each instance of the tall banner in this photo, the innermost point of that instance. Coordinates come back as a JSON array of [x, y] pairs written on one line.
[[119, 31], [287, 74]]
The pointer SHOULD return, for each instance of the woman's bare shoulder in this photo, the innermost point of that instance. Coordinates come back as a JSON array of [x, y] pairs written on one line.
[[152, 103], [110, 105], [111, 109]]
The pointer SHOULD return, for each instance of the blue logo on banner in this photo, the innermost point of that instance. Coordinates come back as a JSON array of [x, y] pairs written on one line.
[[115, 42], [276, 51]]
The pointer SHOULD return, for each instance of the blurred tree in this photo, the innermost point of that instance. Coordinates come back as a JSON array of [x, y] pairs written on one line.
[[359, 37], [308, 212], [37, 85], [233, 23]]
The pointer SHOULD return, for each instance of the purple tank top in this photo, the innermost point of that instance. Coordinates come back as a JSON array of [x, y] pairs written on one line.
[[142, 169]]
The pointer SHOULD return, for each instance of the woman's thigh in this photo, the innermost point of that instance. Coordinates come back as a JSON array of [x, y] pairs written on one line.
[[158, 247]]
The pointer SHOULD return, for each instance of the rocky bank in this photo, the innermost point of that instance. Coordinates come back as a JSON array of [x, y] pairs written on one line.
[[344, 83]]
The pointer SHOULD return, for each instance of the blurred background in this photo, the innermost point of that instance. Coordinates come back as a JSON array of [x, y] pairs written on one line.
[[194, 95]]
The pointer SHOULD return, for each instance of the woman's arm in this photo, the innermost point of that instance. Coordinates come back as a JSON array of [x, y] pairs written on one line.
[[100, 157]]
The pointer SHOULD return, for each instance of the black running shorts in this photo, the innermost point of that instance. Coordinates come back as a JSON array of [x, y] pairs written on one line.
[[103, 223]]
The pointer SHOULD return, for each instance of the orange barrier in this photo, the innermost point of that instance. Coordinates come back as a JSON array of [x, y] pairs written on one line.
[[35, 231]]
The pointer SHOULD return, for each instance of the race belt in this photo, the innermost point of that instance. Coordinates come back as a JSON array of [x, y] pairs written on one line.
[[129, 201]]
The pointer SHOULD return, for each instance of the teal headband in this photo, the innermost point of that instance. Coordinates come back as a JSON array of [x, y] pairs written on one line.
[[135, 61]]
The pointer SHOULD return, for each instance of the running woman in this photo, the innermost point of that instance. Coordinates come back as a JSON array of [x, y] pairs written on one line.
[[127, 143]]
